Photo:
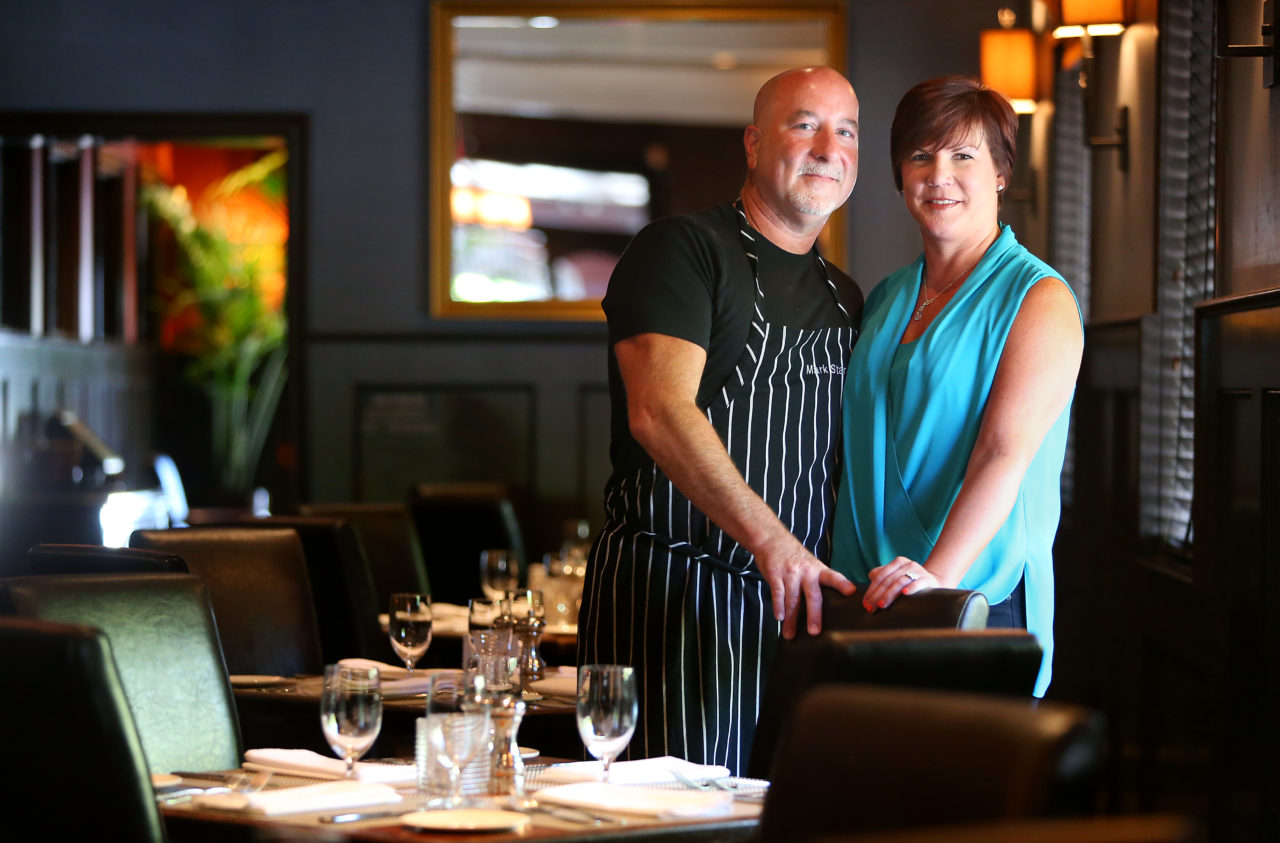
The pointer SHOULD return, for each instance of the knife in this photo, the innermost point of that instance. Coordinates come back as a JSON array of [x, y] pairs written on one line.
[[356, 816]]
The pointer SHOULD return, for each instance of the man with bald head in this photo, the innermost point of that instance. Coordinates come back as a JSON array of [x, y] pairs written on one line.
[[729, 337]]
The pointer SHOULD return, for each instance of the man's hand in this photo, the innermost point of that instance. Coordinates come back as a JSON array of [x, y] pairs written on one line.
[[793, 572]]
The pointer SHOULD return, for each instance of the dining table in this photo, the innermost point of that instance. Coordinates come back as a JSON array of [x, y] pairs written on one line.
[[285, 711], [187, 821]]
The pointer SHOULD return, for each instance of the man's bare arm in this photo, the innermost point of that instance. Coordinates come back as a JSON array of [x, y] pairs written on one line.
[[661, 374]]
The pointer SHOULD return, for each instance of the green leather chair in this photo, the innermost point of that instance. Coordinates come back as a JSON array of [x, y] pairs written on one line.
[[166, 649], [64, 708]]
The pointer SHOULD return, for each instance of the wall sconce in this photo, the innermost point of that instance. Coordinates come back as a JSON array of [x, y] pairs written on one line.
[[1270, 53], [1009, 63], [1091, 17], [1085, 19]]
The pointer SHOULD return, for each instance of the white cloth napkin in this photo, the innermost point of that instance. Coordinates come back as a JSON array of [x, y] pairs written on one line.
[[562, 683], [385, 671], [643, 771], [663, 804], [304, 762], [326, 796]]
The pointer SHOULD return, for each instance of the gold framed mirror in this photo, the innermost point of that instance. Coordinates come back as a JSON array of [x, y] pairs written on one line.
[[558, 129]]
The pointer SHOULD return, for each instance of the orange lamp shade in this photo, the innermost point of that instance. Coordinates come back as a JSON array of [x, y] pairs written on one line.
[[1009, 63], [1086, 12]]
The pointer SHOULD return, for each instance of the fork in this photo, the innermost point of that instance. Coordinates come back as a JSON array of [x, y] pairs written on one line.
[[688, 782]]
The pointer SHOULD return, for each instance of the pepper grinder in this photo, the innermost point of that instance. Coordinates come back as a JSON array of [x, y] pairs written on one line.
[[506, 767], [529, 627]]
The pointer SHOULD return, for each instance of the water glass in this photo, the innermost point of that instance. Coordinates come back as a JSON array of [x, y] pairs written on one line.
[[409, 626], [493, 655], [607, 710], [351, 711], [454, 739], [499, 572]]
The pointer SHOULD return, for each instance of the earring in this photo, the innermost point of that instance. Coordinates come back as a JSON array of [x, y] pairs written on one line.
[[999, 188]]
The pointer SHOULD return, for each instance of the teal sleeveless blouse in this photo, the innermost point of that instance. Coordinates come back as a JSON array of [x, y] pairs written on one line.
[[911, 418]]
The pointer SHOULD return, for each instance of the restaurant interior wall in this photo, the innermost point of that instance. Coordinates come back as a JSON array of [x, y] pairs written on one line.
[[359, 72]]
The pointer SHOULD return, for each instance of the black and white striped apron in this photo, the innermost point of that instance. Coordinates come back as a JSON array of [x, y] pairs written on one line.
[[670, 593]]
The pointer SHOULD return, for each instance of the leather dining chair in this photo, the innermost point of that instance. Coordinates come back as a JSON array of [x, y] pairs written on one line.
[[988, 661], [65, 709], [260, 590], [864, 759], [166, 649], [97, 559], [936, 608], [1119, 828], [390, 544], [455, 521], [341, 584]]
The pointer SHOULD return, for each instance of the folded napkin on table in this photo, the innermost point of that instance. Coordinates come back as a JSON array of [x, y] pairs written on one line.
[[448, 620], [663, 804], [326, 796], [304, 762], [644, 771], [557, 685], [386, 671]]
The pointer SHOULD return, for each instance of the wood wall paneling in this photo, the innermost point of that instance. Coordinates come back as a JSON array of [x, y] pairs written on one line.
[[1237, 494]]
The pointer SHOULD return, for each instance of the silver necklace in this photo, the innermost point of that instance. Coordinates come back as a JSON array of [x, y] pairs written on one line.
[[931, 299]]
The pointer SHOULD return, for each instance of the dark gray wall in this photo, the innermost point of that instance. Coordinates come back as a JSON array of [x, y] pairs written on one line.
[[357, 69]]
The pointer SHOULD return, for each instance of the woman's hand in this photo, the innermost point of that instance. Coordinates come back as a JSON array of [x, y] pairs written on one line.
[[901, 576]]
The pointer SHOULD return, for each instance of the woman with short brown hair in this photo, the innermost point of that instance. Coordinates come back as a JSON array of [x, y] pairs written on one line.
[[958, 394]]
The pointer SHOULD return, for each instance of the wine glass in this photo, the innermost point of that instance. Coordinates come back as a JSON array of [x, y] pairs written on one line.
[[607, 710], [409, 626], [481, 613], [456, 737], [499, 572], [351, 711]]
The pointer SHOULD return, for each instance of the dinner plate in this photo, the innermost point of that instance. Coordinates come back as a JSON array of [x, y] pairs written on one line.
[[465, 820], [527, 752], [162, 780], [254, 680]]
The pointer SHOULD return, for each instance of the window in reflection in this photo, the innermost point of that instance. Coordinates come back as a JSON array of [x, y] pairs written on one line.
[[518, 229], [658, 92]]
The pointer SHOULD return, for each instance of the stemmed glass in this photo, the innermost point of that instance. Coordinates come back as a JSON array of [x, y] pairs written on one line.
[[607, 710], [351, 711], [409, 626], [499, 572], [456, 737]]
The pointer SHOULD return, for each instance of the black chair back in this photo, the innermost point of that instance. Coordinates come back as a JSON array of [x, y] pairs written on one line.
[[341, 584], [390, 544], [1126, 828], [64, 707], [989, 661], [860, 758], [455, 521], [167, 652], [260, 590], [937, 608], [95, 559]]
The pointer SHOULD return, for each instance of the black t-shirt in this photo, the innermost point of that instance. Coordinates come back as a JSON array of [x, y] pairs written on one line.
[[689, 277]]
